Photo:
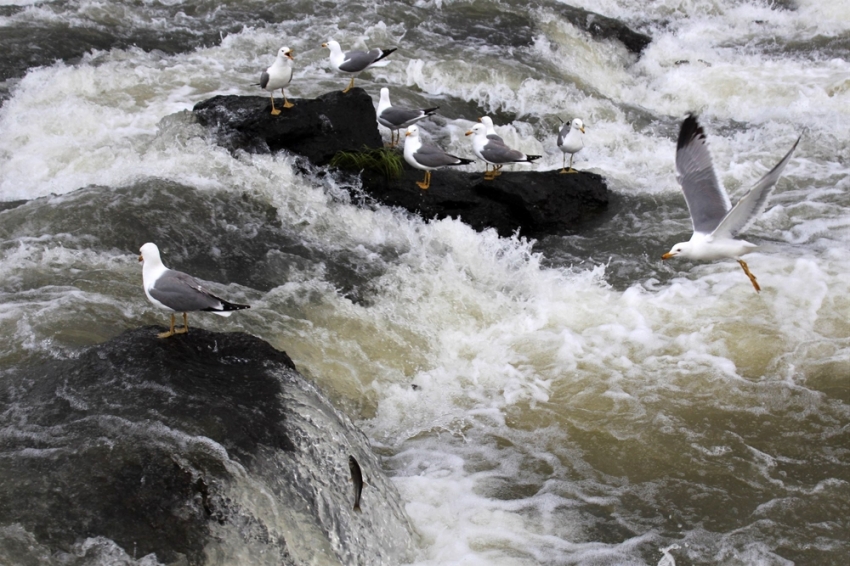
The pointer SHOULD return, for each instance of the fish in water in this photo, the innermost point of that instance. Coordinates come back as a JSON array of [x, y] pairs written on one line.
[[357, 479]]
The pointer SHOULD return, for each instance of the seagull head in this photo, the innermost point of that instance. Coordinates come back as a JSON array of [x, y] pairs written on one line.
[[285, 53], [680, 249], [150, 254], [478, 129], [412, 132], [577, 124]]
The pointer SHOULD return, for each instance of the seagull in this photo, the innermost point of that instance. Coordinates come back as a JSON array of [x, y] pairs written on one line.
[[354, 62], [427, 156], [176, 291], [494, 152], [396, 118], [491, 135], [715, 221], [570, 140], [278, 76]]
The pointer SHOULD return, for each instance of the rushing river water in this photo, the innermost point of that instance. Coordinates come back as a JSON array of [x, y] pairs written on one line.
[[576, 399]]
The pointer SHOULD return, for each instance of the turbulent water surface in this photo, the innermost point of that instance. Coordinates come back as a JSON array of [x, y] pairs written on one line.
[[572, 400]]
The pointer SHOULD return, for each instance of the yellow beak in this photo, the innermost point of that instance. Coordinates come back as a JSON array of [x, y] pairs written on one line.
[[141, 258], [667, 256], [469, 133]]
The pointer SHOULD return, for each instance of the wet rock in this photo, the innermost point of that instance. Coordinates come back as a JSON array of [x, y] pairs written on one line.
[[316, 128], [530, 202], [163, 446], [599, 26], [533, 202]]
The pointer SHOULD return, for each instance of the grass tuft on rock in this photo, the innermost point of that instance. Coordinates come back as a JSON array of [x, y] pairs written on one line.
[[382, 160]]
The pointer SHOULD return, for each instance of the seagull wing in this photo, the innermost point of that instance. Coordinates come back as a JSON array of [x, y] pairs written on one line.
[[707, 201], [498, 153], [562, 134], [183, 293], [401, 117], [754, 202], [430, 155], [358, 60]]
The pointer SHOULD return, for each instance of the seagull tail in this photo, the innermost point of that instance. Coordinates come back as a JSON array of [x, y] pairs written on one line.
[[226, 308], [385, 53]]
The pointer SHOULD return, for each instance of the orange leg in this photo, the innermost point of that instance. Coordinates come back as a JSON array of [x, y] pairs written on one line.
[[752, 277], [170, 332], [185, 329], [426, 182]]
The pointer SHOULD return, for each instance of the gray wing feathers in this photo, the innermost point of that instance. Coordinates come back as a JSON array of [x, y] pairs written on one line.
[[400, 116], [183, 293], [707, 201], [264, 79], [430, 155], [754, 202], [359, 60], [565, 129], [498, 153]]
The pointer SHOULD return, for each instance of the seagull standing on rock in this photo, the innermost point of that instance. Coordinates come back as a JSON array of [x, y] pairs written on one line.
[[427, 156], [716, 223], [495, 152], [396, 118], [176, 291], [354, 62], [278, 76], [570, 140]]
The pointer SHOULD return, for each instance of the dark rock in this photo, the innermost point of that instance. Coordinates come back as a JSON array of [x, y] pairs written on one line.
[[316, 128], [147, 442], [599, 26], [532, 202], [114, 481]]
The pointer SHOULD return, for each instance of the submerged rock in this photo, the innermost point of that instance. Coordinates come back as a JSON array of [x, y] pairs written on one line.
[[532, 202], [194, 448], [599, 26]]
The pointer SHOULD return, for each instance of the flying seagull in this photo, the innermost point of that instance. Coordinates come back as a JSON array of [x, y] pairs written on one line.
[[396, 118], [570, 140], [494, 152], [427, 156], [716, 223], [176, 291], [278, 76], [354, 62]]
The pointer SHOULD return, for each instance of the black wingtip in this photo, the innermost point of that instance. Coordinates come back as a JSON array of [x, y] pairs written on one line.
[[532, 157], [431, 111], [386, 52], [690, 130]]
